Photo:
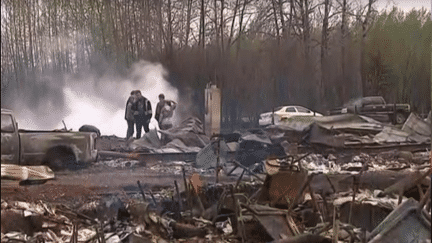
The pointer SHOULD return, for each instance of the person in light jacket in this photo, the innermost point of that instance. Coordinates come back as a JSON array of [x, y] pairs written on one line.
[[129, 116], [164, 112]]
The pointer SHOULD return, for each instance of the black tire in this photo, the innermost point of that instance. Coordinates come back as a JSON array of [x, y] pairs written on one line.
[[60, 158], [400, 118], [90, 128]]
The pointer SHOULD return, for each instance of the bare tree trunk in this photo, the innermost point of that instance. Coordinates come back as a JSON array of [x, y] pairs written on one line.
[[188, 20], [122, 24], [305, 34], [170, 32], [291, 16], [232, 24], [202, 26], [365, 29], [222, 26], [343, 29], [306, 27], [283, 27], [136, 29], [161, 35], [29, 13], [114, 26], [241, 26], [324, 40], [23, 31], [216, 26], [149, 32], [276, 21], [14, 41]]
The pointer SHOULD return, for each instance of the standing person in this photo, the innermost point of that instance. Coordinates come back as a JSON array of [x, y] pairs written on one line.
[[147, 114], [142, 113], [129, 115], [164, 112]]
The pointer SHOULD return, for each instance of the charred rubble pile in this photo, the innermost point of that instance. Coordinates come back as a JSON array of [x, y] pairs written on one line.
[[188, 136], [323, 135]]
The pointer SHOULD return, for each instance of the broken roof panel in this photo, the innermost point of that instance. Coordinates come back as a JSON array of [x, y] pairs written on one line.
[[415, 125], [148, 142], [394, 135], [26, 173], [349, 123], [190, 132]]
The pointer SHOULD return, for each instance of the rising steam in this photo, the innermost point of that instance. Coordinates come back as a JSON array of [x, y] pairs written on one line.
[[98, 100]]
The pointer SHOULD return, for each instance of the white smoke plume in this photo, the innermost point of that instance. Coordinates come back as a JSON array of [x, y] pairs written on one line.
[[101, 101]]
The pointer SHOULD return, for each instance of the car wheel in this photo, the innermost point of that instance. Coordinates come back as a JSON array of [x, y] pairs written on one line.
[[59, 158], [400, 118]]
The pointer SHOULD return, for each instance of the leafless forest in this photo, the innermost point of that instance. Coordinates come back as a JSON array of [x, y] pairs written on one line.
[[316, 53]]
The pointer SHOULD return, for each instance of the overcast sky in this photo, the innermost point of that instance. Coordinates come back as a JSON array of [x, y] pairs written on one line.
[[406, 5]]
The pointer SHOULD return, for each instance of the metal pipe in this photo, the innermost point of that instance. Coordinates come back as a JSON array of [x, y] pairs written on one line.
[[186, 188], [142, 191], [248, 170], [425, 199], [239, 179], [179, 198]]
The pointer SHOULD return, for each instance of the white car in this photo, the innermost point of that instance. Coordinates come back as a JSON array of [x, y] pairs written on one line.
[[285, 112]]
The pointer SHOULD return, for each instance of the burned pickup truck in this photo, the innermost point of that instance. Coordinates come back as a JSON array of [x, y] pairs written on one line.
[[375, 107], [57, 149]]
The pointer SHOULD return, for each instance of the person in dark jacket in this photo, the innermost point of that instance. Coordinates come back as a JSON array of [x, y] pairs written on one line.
[[129, 115], [142, 113]]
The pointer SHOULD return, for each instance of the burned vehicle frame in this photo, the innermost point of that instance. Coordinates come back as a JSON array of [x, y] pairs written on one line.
[[57, 149]]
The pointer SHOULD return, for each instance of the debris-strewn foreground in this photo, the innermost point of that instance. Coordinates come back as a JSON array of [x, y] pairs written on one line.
[[268, 191], [294, 202]]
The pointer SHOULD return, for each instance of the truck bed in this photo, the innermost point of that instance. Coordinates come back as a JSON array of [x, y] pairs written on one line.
[[36, 143]]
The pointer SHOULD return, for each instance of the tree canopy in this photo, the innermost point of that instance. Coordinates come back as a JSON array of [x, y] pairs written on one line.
[[262, 53]]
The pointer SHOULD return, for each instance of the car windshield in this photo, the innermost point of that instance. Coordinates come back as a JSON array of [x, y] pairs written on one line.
[[278, 108], [354, 102], [373, 100], [6, 123]]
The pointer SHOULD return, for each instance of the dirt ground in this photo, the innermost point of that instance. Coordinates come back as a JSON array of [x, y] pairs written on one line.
[[98, 179]]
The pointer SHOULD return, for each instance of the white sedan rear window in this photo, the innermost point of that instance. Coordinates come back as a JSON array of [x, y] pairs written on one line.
[[302, 109], [290, 109]]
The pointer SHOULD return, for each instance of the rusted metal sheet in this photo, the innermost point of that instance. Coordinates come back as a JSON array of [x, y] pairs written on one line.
[[281, 188]]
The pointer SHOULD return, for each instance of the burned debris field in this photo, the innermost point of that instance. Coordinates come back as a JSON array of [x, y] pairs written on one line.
[[269, 187], [284, 121]]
